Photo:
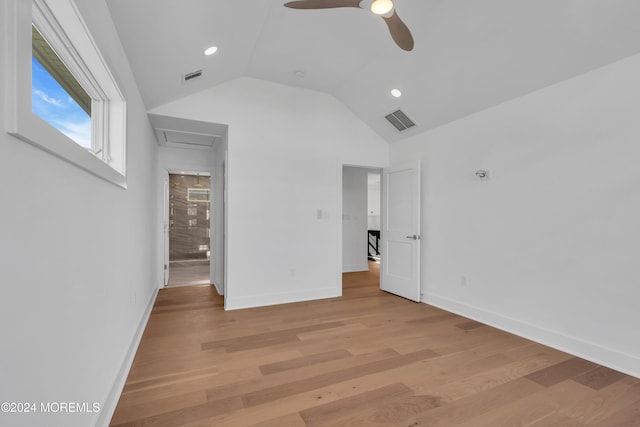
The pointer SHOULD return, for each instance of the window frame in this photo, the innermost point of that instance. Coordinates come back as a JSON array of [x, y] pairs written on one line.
[[61, 24]]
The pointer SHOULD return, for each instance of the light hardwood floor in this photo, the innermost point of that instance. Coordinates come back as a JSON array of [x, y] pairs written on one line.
[[365, 359]]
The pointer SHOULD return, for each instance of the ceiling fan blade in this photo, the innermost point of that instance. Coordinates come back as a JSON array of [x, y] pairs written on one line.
[[322, 4], [399, 31]]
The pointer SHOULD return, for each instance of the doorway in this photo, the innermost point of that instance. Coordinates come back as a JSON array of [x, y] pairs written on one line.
[[374, 192], [189, 229], [361, 207]]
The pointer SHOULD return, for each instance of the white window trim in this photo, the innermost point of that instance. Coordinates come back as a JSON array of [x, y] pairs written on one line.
[[62, 25]]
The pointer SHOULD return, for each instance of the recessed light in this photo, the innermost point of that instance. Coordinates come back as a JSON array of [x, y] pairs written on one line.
[[396, 93], [211, 50]]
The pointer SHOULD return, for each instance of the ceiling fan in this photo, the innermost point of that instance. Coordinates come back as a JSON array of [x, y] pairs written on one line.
[[383, 8]]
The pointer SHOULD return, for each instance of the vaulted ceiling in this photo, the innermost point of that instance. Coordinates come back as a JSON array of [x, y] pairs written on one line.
[[469, 54]]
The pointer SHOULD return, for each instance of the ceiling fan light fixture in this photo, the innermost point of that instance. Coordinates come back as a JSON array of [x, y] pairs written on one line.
[[385, 9], [381, 7], [211, 50]]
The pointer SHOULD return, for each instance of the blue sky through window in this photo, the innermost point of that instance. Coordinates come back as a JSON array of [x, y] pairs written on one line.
[[55, 106]]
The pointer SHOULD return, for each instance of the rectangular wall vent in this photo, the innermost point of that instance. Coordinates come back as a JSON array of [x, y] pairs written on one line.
[[192, 75], [184, 139], [399, 120]]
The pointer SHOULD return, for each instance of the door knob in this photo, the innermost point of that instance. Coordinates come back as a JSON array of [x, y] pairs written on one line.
[[414, 237]]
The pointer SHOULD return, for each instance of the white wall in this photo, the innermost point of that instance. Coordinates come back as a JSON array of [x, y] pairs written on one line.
[[286, 149], [354, 219], [77, 262], [549, 245]]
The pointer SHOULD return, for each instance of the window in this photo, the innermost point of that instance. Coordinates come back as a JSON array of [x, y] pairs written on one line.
[[66, 101], [198, 195], [56, 96]]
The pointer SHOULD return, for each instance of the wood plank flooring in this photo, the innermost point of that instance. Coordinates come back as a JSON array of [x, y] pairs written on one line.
[[365, 359]]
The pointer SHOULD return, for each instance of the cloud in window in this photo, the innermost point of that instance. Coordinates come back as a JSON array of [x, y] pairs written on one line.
[[48, 99], [80, 132]]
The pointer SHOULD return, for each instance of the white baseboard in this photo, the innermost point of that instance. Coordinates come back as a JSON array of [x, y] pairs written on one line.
[[282, 298], [593, 352], [111, 402], [355, 268], [219, 289]]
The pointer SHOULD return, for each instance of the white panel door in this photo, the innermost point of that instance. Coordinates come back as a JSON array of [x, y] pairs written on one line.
[[166, 208], [400, 265]]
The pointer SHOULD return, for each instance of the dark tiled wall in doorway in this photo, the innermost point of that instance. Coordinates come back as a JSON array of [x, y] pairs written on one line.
[[188, 219]]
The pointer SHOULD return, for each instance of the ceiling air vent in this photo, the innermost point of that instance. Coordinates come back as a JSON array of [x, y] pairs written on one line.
[[192, 75], [399, 120]]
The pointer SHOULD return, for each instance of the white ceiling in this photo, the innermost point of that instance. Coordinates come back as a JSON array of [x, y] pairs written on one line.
[[469, 54]]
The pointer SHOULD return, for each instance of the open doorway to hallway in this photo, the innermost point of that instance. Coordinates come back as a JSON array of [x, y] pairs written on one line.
[[374, 192], [189, 229], [361, 206]]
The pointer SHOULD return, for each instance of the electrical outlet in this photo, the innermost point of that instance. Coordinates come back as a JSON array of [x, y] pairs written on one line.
[[463, 280], [292, 272]]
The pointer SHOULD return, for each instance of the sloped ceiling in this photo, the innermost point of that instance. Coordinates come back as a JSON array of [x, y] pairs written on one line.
[[468, 55]]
